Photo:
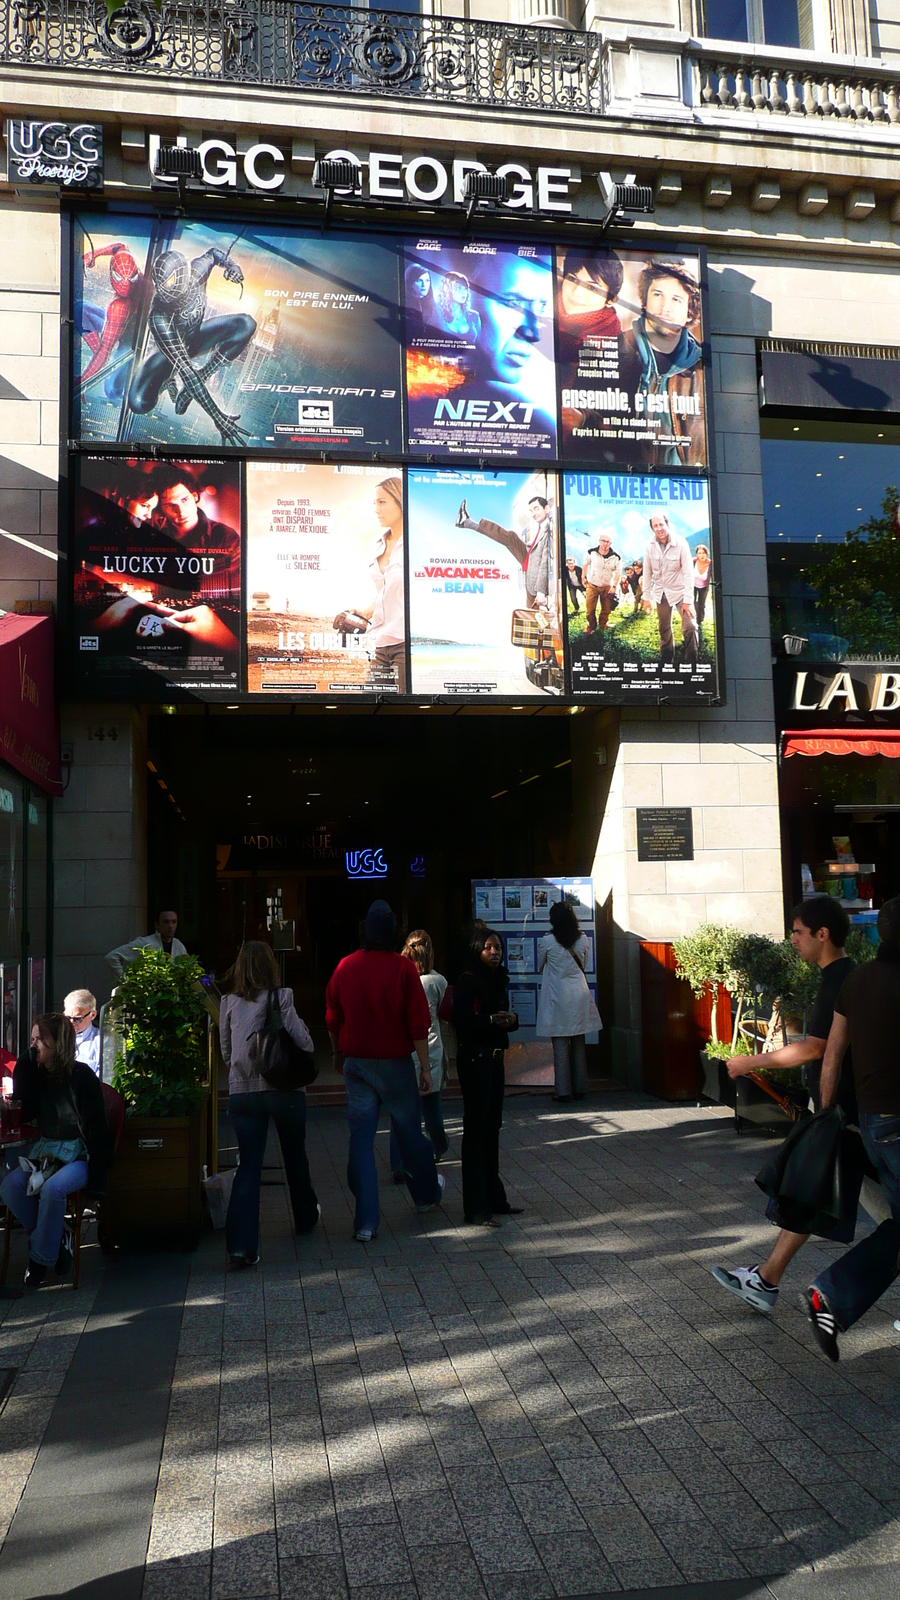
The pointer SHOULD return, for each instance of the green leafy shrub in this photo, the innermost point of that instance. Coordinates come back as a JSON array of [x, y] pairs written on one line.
[[160, 1008], [704, 960], [723, 1049], [859, 947]]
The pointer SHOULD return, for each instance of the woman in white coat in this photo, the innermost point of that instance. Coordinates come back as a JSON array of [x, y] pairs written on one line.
[[566, 1010]]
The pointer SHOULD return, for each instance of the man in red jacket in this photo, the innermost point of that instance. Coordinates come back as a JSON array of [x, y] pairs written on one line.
[[377, 1015]]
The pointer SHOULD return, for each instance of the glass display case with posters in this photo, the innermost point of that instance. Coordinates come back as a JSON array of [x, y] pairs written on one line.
[[632, 388], [478, 338], [639, 584], [484, 583], [325, 579], [199, 334], [519, 909], [156, 561]]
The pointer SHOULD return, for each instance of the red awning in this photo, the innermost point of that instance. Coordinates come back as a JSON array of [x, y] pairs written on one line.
[[29, 725], [842, 742]]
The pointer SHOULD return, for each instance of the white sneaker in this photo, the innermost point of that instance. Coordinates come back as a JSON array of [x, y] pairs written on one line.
[[433, 1205], [747, 1284]]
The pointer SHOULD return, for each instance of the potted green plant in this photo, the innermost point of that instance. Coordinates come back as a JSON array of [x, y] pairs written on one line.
[[703, 960], [770, 984], [161, 1070]]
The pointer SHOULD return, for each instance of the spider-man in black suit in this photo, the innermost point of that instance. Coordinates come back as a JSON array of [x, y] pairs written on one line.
[[190, 346], [103, 332]]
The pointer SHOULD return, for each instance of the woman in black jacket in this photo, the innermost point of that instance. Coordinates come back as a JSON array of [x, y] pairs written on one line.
[[64, 1098], [483, 1023]]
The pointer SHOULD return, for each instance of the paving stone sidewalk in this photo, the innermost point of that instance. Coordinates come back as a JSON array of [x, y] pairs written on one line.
[[566, 1407]]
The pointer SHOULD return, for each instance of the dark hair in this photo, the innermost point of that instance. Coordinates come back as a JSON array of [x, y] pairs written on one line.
[[821, 911], [380, 927], [564, 923], [57, 1031], [170, 473], [655, 270], [481, 934], [540, 500], [420, 950], [166, 906], [602, 269], [255, 970], [889, 922]]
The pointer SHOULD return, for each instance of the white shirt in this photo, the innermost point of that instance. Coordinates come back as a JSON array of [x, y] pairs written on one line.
[[566, 1006], [669, 572], [388, 623], [87, 1047], [124, 954]]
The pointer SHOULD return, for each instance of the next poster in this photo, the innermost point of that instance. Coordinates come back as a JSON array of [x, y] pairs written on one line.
[[639, 582], [484, 583], [325, 588], [478, 332]]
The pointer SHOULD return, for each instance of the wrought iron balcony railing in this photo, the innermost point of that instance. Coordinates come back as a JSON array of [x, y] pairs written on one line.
[[286, 44]]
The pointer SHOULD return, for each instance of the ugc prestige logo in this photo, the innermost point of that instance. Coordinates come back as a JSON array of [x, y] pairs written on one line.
[[366, 864]]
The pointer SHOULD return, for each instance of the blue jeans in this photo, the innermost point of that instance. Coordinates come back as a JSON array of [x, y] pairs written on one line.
[[860, 1277], [42, 1215], [433, 1118], [392, 1083], [250, 1115]]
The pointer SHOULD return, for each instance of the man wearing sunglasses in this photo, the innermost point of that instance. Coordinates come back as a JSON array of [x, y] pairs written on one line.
[[81, 1009]]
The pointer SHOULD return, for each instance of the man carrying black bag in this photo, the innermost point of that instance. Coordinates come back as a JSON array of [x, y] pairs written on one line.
[[819, 931], [867, 1018]]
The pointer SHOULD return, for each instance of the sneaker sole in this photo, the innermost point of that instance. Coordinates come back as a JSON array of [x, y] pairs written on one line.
[[750, 1297]]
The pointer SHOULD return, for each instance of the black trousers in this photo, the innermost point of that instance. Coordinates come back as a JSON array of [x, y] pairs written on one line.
[[482, 1083]]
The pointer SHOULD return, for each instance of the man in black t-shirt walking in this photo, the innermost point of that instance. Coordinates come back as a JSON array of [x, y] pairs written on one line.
[[818, 934], [867, 1018]]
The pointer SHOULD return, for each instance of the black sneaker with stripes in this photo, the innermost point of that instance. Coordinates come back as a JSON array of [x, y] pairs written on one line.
[[824, 1325]]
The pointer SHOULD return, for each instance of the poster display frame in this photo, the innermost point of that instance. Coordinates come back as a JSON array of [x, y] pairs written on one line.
[[384, 226], [526, 923]]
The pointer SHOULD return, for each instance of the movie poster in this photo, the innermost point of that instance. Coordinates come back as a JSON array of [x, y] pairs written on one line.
[[478, 334], [192, 333], [325, 580], [639, 579], [630, 359], [156, 558], [484, 583]]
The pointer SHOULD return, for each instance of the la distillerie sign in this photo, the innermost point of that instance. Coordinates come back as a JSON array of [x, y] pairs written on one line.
[[63, 155], [836, 691]]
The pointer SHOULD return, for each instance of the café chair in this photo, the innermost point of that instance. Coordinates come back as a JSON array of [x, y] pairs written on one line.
[[75, 1202]]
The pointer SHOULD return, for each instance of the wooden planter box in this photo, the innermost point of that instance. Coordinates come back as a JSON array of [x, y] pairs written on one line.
[[155, 1183], [752, 1104]]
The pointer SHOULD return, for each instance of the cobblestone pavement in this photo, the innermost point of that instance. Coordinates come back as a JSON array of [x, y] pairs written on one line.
[[568, 1406]]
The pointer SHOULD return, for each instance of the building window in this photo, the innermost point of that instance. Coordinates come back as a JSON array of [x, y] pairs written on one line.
[[832, 538], [785, 23]]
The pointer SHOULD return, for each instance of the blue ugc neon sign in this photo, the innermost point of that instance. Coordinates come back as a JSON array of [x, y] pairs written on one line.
[[366, 864]]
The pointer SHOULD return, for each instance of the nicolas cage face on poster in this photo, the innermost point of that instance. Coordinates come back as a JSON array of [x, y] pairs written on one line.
[[479, 348]]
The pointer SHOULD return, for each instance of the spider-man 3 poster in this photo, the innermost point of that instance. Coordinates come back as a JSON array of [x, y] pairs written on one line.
[[196, 334]]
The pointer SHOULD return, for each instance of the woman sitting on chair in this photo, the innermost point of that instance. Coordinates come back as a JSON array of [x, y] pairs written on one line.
[[64, 1098]]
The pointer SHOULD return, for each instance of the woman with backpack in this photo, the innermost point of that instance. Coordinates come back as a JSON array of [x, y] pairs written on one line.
[[566, 1009], [244, 1014]]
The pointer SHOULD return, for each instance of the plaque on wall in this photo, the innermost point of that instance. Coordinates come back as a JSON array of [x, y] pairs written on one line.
[[665, 833]]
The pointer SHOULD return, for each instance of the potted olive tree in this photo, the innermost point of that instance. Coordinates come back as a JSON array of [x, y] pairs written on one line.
[[161, 1070], [704, 960]]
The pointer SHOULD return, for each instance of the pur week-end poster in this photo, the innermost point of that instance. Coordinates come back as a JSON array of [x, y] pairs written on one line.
[[325, 584], [195, 334], [631, 377], [156, 558], [639, 579], [478, 335], [484, 583]]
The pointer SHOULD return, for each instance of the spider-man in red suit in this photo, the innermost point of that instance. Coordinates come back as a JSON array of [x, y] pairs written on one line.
[[104, 333]]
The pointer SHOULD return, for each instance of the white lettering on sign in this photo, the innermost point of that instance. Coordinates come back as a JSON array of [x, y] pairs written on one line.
[[423, 179], [882, 691]]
